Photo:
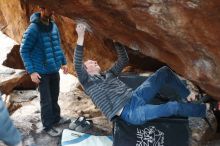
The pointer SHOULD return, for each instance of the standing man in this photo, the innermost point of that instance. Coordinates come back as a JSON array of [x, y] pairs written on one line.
[[43, 57]]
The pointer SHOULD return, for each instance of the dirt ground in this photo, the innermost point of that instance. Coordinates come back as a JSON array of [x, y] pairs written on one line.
[[73, 104]]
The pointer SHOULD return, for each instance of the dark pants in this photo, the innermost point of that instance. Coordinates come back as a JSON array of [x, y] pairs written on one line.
[[49, 88]]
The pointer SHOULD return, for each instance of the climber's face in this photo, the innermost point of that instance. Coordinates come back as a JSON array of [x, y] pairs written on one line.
[[45, 13], [92, 67]]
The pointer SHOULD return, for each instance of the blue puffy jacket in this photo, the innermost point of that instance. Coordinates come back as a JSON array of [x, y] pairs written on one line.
[[41, 47]]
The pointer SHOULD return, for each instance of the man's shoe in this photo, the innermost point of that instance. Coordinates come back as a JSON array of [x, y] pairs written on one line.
[[63, 120], [88, 124], [203, 98], [53, 132], [79, 121]]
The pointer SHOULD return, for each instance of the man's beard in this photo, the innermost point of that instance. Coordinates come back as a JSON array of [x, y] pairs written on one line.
[[48, 16]]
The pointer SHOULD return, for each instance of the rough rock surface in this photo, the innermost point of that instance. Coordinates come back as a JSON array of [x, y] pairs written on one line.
[[13, 18], [201, 131], [10, 78], [14, 60], [183, 34]]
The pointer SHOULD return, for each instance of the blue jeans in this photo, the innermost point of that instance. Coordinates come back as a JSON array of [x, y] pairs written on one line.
[[8, 133], [140, 109]]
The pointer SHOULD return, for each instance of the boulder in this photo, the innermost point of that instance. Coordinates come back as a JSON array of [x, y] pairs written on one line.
[[13, 60], [13, 18], [202, 130], [10, 57], [10, 78], [181, 34]]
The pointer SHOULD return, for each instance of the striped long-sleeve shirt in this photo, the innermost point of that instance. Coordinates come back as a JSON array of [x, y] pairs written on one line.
[[106, 90]]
